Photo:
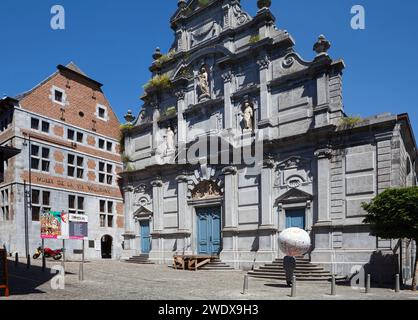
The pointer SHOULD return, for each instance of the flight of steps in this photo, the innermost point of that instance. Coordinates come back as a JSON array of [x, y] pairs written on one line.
[[142, 259], [216, 265], [305, 271]]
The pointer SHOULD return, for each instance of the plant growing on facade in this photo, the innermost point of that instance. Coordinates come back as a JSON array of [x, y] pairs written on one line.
[[170, 111], [254, 39], [393, 214], [124, 129], [165, 58], [158, 82], [203, 3], [350, 122]]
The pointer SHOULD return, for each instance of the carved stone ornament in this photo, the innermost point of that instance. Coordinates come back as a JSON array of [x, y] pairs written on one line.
[[205, 190], [142, 188], [157, 183], [263, 62], [323, 153], [229, 170], [288, 62], [240, 16], [227, 76]]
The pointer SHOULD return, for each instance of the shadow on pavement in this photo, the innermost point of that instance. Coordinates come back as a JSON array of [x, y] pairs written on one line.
[[23, 281]]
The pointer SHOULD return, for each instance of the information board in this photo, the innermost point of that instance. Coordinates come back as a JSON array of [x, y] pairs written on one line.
[[78, 227]]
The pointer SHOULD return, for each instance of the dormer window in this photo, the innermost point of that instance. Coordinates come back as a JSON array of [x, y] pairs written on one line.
[[101, 112]]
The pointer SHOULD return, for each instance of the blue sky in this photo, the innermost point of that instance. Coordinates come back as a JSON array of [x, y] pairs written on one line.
[[112, 41]]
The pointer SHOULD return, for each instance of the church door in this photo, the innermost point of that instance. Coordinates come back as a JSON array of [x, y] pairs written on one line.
[[295, 219], [145, 237], [209, 230]]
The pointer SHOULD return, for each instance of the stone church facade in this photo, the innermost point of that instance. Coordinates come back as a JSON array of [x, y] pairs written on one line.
[[239, 79]]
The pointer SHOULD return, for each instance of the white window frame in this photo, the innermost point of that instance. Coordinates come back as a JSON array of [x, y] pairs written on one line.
[[106, 117], [64, 96]]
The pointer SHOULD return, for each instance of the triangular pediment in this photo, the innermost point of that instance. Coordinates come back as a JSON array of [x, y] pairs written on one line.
[[294, 195], [142, 212]]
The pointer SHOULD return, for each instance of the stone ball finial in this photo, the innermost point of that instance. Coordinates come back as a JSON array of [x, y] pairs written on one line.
[[263, 4], [157, 54], [129, 117], [322, 45]]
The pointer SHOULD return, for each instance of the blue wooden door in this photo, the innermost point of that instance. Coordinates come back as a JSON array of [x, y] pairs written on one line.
[[145, 237], [295, 218], [209, 231]]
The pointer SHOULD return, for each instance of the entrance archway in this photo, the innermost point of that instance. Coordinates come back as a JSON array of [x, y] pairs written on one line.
[[107, 242]]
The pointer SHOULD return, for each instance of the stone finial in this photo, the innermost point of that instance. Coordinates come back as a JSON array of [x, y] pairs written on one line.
[[322, 45], [129, 117], [157, 54], [263, 4], [181, 4]]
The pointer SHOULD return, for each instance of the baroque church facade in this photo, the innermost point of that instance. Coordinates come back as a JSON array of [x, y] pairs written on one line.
[[238, 78]]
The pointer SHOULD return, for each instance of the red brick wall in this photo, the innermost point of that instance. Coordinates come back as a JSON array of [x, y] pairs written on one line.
[[80, 97]]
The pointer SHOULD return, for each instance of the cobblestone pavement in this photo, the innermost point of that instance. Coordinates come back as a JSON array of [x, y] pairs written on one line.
[[123, 281]]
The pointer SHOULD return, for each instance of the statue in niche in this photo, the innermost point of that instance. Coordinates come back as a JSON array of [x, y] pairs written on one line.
[[169, 137], [203, 84], [248, 116]]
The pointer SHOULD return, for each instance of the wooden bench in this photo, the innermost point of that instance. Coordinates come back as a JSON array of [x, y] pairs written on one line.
[[190, 262]]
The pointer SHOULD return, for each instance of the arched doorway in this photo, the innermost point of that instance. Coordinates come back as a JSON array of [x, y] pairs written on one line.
[[107, 242]]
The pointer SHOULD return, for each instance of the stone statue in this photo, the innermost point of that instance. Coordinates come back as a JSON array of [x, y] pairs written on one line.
[[248, 116], [203, 84], [170, 139]]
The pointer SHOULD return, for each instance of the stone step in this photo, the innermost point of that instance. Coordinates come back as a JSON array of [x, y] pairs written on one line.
[[300, 267], [296, 271], [301, 275], [307, 279]]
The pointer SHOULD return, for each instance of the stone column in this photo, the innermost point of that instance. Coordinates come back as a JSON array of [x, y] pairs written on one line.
[[229, 113], [323, 184], [267, 230], [157, 204], [155, 128], [231, 197], [128, 209], [264, 64], [229, 252], [182, 181], [266, 194], [181, 126]]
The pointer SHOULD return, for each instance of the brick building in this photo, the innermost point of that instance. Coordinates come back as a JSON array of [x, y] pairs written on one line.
[[69, 160]]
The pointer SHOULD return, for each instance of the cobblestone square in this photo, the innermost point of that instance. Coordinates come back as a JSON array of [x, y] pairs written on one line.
[[114, 280]]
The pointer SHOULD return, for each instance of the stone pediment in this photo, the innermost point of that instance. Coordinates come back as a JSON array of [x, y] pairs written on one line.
[[294, 195], [142, 212]]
